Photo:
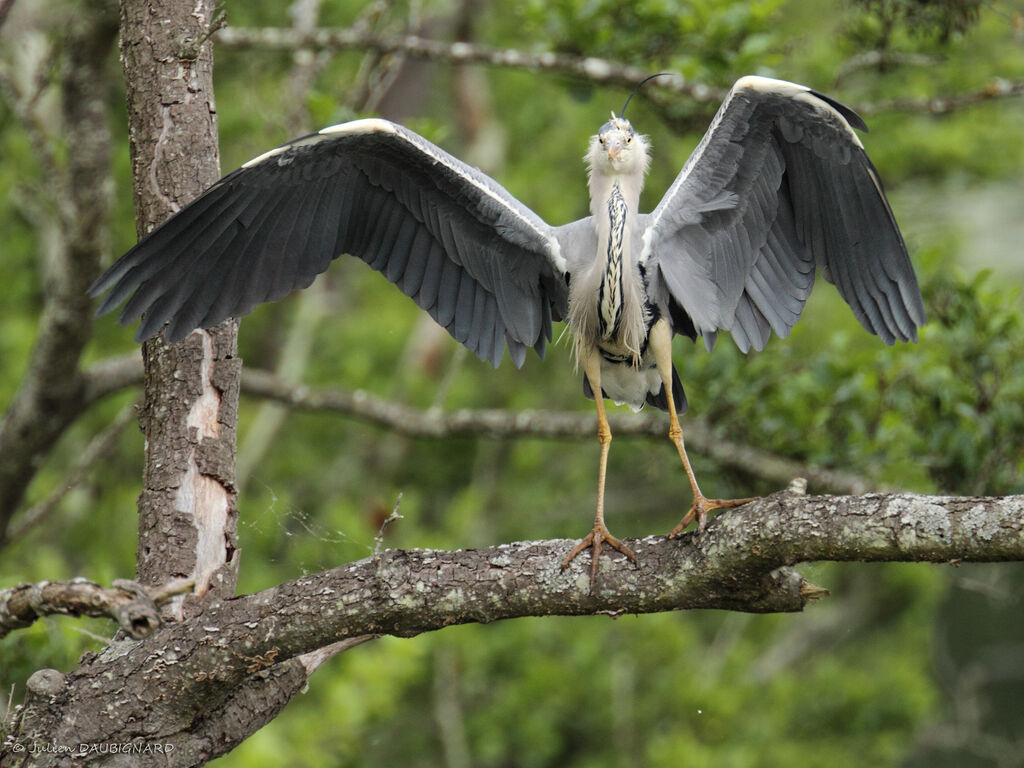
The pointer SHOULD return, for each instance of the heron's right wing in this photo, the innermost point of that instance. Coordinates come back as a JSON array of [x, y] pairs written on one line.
[[484, 266], [779, 185]]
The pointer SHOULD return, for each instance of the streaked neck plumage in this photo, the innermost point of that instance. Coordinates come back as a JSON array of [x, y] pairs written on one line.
[[606, 302]]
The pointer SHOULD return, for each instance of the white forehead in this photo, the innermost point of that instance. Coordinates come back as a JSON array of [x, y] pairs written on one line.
[[619, 124]]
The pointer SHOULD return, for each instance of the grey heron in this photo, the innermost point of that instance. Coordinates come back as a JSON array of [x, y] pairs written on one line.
[[780, 186]]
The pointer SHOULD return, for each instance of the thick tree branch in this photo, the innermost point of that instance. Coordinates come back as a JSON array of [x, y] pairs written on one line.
[[187, 670], [734, 564]]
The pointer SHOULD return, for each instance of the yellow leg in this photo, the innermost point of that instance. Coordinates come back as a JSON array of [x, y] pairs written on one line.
[[599, 535], [661, 344]]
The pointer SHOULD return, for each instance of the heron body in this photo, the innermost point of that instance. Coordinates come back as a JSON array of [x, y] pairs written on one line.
[[779, 188]]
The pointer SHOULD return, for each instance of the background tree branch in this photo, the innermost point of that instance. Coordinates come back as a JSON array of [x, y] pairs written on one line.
[[114, 374], [589, 68], [499, 423], [50, 396]]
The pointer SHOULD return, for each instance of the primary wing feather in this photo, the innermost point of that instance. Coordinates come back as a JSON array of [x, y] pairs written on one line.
[[483, 265], [779, 185]]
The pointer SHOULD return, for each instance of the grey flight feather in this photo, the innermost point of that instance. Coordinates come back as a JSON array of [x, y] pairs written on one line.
[[483, 265], [779, 185]]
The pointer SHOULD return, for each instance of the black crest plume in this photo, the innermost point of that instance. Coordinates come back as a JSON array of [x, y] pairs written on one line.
[[639, 85]]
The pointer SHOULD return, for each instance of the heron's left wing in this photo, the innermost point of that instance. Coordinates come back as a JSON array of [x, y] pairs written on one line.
[[486, 267], [779, 185]]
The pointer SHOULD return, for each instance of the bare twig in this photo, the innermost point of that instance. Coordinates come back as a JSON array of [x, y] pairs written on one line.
[[6, 711], [127, 603], [394, 517], [98, 447], [314, 659], [161, 593], [190, 48], [882, 58]]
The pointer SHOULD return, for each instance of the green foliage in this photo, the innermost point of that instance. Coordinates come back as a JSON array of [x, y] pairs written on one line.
[[942, 415], [936, 18], [699, 38], [849, 683]]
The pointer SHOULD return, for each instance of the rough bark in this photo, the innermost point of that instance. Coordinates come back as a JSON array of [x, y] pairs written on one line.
[[187, 510], [214, 669]]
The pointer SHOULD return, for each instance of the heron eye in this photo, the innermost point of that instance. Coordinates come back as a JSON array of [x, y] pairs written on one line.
[[629, 139]]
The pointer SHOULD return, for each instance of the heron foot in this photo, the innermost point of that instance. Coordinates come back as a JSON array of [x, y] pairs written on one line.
[[700, 508], [595, 541]]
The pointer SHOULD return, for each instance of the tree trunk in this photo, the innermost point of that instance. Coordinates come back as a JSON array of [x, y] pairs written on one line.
[[187, 510]]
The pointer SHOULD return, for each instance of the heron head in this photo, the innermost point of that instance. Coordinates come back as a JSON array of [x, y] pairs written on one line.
[[618, 149]]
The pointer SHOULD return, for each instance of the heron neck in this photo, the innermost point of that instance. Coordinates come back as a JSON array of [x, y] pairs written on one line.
[[606, 303], [601, 184]]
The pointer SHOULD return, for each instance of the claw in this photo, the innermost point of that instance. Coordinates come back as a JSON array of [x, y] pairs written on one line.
[[594, 540], [700, 508]]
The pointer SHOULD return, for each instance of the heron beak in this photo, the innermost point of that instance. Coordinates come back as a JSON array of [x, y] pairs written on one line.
[[614, 148]]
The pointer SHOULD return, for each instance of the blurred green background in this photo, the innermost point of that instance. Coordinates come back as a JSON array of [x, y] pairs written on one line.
[[904, 665]]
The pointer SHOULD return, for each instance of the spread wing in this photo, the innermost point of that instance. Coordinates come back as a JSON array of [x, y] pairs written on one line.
[[779, 185], [483, 265]]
